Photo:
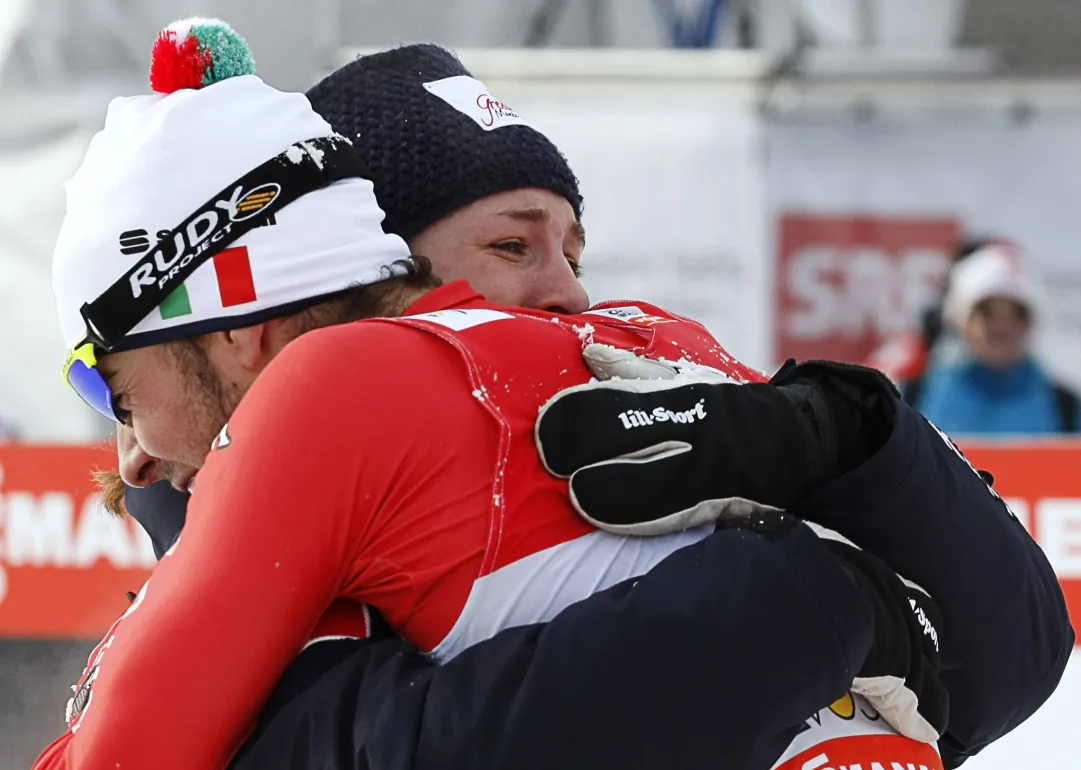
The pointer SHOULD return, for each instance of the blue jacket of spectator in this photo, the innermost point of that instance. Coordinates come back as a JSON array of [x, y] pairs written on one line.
[[968, 397]]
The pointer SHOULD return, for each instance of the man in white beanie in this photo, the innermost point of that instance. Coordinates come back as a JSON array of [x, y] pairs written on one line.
[[993, 384]]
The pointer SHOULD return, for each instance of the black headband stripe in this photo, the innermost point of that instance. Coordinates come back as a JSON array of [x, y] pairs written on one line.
[[242, 206]]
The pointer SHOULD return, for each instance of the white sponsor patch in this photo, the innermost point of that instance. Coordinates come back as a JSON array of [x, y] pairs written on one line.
[[630, 311], [222, 440], [461, 319], [471, 97]]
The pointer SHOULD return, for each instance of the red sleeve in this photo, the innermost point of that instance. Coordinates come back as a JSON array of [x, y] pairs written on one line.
[[276, 530]]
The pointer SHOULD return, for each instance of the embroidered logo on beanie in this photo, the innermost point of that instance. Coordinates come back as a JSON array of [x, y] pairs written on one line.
[[473, 99]]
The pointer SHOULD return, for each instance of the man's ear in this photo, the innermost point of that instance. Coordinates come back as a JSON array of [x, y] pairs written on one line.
[[248, 346]]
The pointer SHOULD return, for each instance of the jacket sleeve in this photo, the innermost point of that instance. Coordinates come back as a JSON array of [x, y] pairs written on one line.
[[920, 506], [714, 658]]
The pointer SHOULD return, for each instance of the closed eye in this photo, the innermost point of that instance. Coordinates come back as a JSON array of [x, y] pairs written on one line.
[[122, 414], [511, 246]]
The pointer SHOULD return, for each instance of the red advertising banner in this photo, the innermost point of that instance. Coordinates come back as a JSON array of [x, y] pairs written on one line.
[[845, 283], [1041, 482], [66, 565]]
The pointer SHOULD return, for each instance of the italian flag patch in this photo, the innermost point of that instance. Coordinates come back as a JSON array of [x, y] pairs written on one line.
[[236, 286]]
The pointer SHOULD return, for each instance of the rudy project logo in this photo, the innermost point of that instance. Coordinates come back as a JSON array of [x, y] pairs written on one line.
[[232, 267], [203, 230], [254, 201]]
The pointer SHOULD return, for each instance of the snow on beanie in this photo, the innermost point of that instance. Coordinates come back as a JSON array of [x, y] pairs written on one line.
[[161, 157], [433, 137]]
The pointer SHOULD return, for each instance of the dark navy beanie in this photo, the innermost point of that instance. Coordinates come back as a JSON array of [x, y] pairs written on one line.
[[434, 139]]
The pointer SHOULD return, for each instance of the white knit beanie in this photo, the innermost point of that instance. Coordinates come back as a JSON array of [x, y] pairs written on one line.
[[161, 157], [996, 270]]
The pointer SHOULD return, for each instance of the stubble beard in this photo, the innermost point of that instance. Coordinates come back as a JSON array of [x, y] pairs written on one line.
[[212, 402]]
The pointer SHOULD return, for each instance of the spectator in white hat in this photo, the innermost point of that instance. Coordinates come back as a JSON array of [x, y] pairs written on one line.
[[995, 385]]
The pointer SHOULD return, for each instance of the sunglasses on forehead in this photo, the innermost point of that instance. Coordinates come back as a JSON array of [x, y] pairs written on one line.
[[244, 205]]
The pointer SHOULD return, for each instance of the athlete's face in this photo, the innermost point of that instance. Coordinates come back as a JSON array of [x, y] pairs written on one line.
[[177, 397], [174, 405], [521, 248]]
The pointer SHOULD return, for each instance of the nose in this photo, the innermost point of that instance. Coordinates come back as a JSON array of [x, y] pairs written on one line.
[[561, 291], [137, 468]]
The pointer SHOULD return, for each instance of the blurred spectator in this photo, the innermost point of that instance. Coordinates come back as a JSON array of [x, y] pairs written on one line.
[[903, 356], [981, 376]]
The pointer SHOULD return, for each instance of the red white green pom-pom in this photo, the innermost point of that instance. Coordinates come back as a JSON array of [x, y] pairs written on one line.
[[194, 53]]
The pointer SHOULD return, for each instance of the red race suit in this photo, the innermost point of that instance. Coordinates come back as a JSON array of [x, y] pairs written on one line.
[[389, 462]]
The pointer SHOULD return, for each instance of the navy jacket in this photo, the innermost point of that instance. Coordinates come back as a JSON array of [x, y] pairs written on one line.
[[920, 506]]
